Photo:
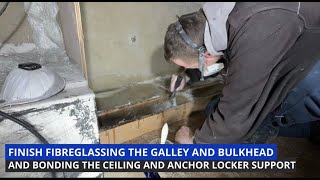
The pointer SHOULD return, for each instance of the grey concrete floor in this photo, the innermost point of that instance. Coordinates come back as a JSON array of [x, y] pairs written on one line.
[[306, 154]]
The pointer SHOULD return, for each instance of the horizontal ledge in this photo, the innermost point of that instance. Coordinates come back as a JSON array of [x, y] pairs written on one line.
[[139, 127], [127, 114]]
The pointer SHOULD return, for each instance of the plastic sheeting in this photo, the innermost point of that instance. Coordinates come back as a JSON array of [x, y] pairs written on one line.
[[47, 34], [48, 48]]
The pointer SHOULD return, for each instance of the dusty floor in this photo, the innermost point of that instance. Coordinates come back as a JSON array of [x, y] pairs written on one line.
[[306, 154]]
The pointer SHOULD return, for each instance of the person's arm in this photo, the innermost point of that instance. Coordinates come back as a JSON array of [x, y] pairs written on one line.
[[255, 52]]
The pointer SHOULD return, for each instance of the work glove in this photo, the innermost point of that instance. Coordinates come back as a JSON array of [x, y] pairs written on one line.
[[182, 84]]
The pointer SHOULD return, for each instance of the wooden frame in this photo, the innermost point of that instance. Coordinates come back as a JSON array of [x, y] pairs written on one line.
[[81, 39], [71, 26]]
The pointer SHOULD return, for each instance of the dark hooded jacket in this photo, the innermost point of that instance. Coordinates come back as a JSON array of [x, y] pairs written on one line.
[[271, 47]]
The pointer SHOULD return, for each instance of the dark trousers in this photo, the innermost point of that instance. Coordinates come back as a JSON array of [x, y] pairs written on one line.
[[295, 117]]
